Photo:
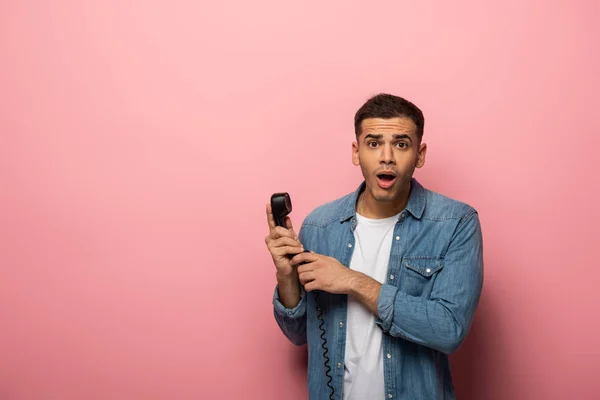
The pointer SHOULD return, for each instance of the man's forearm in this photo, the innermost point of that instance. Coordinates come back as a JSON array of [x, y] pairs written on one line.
[[366, 290], [289, 290]]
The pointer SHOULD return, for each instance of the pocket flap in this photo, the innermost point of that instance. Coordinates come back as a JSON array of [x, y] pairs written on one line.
[[425, 266]]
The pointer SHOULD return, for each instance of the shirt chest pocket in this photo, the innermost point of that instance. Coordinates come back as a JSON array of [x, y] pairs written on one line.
[[418, 274]]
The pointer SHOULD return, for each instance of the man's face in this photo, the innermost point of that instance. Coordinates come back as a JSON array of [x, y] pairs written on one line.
[[388, 151]]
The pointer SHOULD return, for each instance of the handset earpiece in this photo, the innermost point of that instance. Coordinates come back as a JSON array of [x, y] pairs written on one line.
[[281, 205]]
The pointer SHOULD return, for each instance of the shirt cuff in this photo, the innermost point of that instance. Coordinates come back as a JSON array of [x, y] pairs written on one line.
[[293, 313], [385, 306]]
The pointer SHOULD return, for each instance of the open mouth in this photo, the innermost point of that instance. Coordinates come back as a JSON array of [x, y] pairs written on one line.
[[385, 180]]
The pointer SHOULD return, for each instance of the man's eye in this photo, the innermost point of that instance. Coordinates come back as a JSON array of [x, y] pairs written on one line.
[[372, 144], [402, 145]]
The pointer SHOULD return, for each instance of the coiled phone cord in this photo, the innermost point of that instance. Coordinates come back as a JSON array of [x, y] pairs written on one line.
[[324, 344]]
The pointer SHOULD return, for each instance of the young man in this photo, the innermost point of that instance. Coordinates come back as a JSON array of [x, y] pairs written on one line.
[[398, 269]]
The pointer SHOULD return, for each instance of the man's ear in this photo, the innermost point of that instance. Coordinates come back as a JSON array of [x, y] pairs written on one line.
[[421, 155], [355, 155]]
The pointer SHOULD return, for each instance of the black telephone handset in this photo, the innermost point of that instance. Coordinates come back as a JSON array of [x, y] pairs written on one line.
[[281, 206]]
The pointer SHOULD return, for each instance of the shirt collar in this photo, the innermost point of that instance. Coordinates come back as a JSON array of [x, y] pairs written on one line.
[[415, 206]]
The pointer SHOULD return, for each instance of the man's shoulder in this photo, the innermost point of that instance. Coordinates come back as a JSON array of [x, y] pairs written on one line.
[[439, 206], [330, 211]]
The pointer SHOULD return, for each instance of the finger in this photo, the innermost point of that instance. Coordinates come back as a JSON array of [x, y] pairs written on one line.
[[284, 247], [280, 231], [298, 258], [306, 277], [310, 286], [306, 266], [285, 241], [288, 223], [270, 219], [306, 258], [285, 250]]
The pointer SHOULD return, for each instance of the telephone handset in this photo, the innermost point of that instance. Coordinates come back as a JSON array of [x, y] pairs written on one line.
[[281, 206]]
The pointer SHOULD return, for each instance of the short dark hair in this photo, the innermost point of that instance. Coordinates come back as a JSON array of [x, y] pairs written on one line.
[[385, 105]]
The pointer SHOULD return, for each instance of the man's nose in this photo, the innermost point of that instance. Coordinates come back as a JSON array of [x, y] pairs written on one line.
[[387, 154]]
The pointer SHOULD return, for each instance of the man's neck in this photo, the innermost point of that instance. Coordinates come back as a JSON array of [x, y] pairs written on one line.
[[368, 207]]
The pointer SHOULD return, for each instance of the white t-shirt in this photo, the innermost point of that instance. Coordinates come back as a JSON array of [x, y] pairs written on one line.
[[363, 370]]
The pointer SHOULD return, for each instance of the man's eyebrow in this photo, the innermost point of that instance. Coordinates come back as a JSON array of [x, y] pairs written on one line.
[[373, 136], [403, 136], [399, 136]]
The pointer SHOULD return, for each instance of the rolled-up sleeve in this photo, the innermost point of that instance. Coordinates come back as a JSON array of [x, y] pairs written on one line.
[[385, 305], [291, 321]]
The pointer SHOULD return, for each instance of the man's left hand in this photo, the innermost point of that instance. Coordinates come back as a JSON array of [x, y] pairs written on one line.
[[323, 273]]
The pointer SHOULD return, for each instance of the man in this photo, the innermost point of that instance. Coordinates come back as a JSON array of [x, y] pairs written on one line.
[[398, 269]]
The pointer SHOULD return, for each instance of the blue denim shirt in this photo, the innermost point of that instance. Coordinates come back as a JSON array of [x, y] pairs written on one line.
[[425, 306]]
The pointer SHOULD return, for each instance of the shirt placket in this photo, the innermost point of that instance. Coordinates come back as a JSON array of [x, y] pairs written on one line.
[[389, 355], [338, 365]]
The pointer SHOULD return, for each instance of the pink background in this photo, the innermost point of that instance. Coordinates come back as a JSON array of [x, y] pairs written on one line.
[[140, 142]]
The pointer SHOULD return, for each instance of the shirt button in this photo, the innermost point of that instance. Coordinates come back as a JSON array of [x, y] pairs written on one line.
[[428, 270], [341, 324], [397, 237], [389, 355], [349, 245], [390, 395], [339, 365], [392, 277]]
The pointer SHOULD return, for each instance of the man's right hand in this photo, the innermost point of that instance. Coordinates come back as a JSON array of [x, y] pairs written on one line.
[[281, 242]]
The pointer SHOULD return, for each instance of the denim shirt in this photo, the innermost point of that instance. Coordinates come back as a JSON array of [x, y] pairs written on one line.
[[425, 306]]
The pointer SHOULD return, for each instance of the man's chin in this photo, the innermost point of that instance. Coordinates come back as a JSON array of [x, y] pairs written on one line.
[[384, 195], [384, 199]]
